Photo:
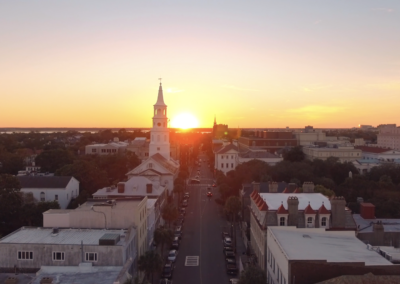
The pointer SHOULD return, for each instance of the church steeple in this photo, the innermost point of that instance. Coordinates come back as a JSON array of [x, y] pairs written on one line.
[[160, 98], [215, 119]]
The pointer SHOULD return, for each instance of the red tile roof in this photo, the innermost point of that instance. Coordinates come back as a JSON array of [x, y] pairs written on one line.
[[373, 149], [282, 210], [253, 193], [309, 210], [260, 202], [285, 191], [264, 207], [297, 190], [323, 210]]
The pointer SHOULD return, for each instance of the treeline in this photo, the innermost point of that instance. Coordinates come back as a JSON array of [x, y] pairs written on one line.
[[381, 186], [18, 209]]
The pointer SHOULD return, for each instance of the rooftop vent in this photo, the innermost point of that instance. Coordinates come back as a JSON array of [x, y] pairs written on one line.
[[11, 280], [306, 236], [109, 239], [55, 232], [46, 280]]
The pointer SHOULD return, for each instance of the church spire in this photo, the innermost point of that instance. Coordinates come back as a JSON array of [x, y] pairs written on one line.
[[215, 119], [160, 98]]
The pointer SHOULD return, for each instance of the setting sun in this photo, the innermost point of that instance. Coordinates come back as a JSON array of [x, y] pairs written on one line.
[[184, 121]]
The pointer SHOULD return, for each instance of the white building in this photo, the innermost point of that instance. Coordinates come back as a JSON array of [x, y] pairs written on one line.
[[289, 247], [378, 153], [140, 146], [106, 149], [226, 158], [389, 136], [160, 168], [104, 214], [50, 188], [261, 155], [345, 153], [32, 248]]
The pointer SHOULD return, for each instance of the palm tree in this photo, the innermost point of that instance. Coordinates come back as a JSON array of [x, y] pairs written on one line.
[[149, 263], [163, 236], [178, 188], [170, 213], [233, 205], [252, 275]]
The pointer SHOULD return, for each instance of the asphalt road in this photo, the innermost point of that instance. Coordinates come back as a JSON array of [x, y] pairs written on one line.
[[202, 236]]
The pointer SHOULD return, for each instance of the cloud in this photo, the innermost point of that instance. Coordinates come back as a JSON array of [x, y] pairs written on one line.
[[238, 88], [174, 90], [386, 10], [317, 109]]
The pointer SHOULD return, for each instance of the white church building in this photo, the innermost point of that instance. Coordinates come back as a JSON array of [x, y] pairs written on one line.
[[160, 168]]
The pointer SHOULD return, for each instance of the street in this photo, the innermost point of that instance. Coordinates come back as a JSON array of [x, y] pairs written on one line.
[[202, 235]]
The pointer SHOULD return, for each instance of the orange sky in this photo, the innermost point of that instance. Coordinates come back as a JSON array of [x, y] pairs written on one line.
[[253, 64]]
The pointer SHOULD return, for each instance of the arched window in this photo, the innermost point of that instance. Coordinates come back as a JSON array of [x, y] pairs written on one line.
[[282, 221], [323, 222], [164, 111], [42, 196]]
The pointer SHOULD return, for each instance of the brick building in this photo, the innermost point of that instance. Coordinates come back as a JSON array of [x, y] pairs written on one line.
[[268, 140]]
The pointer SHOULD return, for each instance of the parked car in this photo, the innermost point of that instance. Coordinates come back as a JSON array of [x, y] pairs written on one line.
[[231, 269], [186, 195], [227, 248], [168, 270], [228, 241], [178, 232], [172, 255], [225, 235], [230, 261], [209, 194], [214, 185], [184, 203], [179, 222], [182, 211], [229, 254], [175, 243]]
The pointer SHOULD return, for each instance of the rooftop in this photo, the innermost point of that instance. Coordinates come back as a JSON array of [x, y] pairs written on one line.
[[43, 181], [33, 235], [376, 150], [83, 274], [315, 200], [318, 244], [365, 225]]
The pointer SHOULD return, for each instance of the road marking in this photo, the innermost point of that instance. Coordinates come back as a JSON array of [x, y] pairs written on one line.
[[192, 261]]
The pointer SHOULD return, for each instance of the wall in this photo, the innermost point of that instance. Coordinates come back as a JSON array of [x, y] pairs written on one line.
[[276, 261], [310, 272]]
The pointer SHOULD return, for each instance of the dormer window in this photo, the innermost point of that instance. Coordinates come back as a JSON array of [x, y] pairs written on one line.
[[323, 222], [282, 221]]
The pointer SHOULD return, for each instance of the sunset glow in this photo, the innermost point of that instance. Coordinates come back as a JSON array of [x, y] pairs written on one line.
[[184, 121]]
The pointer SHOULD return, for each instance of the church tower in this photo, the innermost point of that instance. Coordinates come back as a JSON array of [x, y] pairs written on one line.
[[159, 134]]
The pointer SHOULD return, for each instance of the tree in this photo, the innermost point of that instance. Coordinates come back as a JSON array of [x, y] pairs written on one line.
[[10, 203], [233, 205], [169, 213], [150, 263], [252, 275], [163, 236], [325, 191], [52, 160], [90, 177], [178, 188], [295, 154]]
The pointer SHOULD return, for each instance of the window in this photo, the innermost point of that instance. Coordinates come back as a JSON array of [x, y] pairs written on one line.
[[282, 221], [58, 256], [114, 150], [150, 165], [108, 150], [91, 256], [25, 255], [222, 165], [222, 156], [42, 196], [232, 157], [227, 165], [94, 150], [323, 222], [56, 197], [309, 222], [103, 150], [158, 148], [232, 165]]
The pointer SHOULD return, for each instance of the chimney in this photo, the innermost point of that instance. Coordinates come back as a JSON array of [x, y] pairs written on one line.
[[121, 187], [256, 186], [293, 208], [46, 280], [291, 187], [367, 210], [308, 187], [273, 187], [338, 209], [379, 233], [149, 188]]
